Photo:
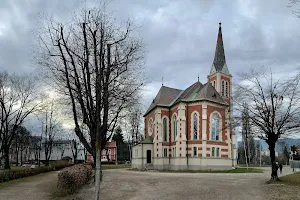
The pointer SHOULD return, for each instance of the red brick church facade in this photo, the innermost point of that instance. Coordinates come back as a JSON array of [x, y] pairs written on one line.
[[190, 128]]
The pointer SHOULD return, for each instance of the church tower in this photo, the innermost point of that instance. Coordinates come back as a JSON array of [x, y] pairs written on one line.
[[219, 75]]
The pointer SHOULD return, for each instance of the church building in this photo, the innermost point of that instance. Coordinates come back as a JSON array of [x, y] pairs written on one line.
[[191, 128]]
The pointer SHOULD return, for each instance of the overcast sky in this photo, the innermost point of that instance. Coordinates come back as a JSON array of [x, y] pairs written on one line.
[[180, 35]]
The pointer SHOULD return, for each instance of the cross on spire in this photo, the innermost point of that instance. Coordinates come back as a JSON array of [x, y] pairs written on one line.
[[162, 81]]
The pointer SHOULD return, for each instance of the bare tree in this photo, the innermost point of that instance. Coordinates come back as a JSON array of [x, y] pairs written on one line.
[[20, 143], [135, 120], [97, 65], [293, 4], [50, 128], [17, 102], [74, 148], [273, 107]]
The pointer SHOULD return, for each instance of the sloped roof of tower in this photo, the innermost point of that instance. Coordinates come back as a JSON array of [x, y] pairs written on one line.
[[209, 92], [164, 97], [219, 59]]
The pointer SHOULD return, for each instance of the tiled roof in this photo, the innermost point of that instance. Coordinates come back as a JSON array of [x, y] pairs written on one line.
[[170, 96], [164, 97], [209, 92], [219, 59], [187, 92]]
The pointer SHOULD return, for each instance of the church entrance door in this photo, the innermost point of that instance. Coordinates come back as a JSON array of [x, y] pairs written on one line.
[[148, 156]]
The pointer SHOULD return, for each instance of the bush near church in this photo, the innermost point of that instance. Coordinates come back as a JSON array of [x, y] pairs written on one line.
[[22, 172], [72, 178]]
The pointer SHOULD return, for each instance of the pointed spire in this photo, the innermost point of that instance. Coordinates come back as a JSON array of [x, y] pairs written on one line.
[[219, 59], [162, 81], [198, 77]]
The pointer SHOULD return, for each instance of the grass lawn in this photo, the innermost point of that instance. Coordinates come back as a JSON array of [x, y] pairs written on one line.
[[244, 165], [104, 167], [292, 179], [238, 170]]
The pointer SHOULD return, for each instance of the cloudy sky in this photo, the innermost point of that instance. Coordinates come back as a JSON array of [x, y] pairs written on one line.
[[180, 35]]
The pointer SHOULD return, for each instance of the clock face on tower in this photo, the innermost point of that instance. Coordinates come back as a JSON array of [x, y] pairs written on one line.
[[224, 70]]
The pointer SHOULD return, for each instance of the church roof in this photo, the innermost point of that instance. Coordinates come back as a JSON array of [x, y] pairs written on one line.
[[164, 97], [219, 59], [148, 140], [209, 92], [196, 92]]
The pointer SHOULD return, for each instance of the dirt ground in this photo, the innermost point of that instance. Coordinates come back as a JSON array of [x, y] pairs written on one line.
[[132, 185], [31, 188]]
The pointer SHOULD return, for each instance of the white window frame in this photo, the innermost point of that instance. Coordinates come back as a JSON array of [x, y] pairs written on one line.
[[192, 128], [167, 129], [215, 113], [174, 126], [223, 88]]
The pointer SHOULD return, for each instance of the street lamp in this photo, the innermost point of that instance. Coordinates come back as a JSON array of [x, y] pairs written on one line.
[[292, 155]]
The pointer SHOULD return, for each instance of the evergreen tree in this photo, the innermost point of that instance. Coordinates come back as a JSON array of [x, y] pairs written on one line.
[[122, 147]]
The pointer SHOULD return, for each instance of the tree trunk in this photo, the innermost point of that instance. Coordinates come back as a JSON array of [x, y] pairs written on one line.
[[274, 175], [17, 158], [21, 156], [6, 157]]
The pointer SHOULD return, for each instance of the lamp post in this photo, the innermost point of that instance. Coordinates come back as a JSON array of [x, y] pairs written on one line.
[[292, 155]]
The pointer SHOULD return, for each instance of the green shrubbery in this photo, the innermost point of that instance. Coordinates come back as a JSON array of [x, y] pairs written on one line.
[[72, 178], [21, 172]]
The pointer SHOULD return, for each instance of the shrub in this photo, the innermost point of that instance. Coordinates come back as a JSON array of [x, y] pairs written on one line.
[[72, 178], [60, 164], [21, 172]]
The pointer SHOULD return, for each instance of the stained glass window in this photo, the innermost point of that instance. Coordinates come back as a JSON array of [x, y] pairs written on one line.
[[215, 126], [165, 129], [195, 128]]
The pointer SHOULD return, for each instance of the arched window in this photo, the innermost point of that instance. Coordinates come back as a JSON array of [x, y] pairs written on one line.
[[175, 127], [223, 88], [217, 153], [150, 127], [165, 129], [214, 83], [195, 126], [226, 88], [215, 127], [213, 152]]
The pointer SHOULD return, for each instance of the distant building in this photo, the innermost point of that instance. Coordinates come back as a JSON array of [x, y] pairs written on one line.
[[110, 154], [63, 148]]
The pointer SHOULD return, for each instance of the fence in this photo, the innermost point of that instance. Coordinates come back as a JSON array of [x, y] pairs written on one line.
[[295, 164]]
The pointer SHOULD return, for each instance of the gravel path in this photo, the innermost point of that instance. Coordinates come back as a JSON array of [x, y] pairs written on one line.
[[37, 187], [132, 185]]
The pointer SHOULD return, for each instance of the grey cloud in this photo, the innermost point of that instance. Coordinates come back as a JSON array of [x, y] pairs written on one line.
[[180, 36]]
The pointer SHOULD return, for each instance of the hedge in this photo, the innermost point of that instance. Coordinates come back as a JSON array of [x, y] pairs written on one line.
[[72, 178], [16, 173]]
